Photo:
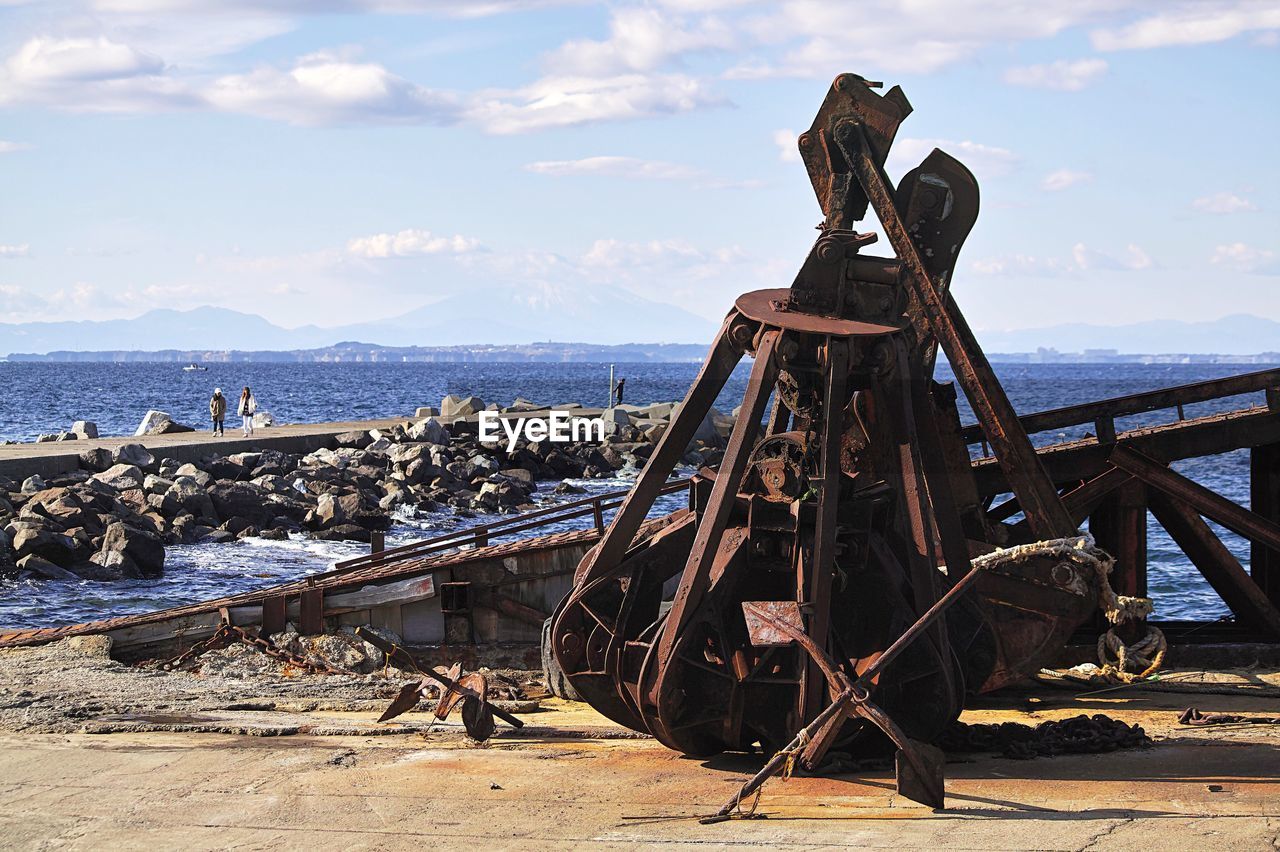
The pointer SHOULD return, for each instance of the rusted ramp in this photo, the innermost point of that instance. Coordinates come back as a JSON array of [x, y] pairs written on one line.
[[490, 594]]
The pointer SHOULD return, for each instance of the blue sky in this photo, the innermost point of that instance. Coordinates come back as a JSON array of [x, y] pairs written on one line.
[[358, 163]]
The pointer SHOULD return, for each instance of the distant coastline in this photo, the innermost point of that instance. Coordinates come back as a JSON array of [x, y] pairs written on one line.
[[551, 353]]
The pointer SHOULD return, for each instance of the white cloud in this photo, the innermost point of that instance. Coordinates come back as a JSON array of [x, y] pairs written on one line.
[[7, 147], [625, 167], [50, 60], [1061, 75], [1245, 258], [640, 40], [1064, 178], [23, 250], [1223, 202], [785, 139], [1133, 259], [984, 160], [324, 89], [569, 101], [630, 254], [1195, 23], [411, 242]]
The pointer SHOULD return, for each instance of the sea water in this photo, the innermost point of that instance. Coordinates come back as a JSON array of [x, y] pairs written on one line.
[[46, 397]]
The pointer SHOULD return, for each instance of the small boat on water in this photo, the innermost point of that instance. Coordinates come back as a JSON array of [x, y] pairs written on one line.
[[195, 368]]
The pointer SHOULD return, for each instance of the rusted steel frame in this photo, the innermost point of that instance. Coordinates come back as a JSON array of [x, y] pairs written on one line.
[[1139, 403], [311, 612], [1213, 506], [942, 500], [922, 558], [724, 356], [1219, 567], [724, 494], [1082, 500], [1264, 498], [1027, 478], [818, 585], [395, 652], [1073, 460], [503, 526], [913, 632], [1119, 525], [1005, 511]]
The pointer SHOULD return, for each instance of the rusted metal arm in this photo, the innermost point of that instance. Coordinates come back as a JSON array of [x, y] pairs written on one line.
[[1044, 510]]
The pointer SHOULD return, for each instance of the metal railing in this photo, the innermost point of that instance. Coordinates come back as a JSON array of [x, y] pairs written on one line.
[[481, 534], [1102, 413]]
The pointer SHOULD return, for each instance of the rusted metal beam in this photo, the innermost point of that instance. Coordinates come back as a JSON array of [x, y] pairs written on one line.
[[1219, 567], [1264, 499], [311, 612], [1075, 460], [1138, 403], [1213, 506], [697, 571], [1026, 476], [1119, 525], [725, 355]]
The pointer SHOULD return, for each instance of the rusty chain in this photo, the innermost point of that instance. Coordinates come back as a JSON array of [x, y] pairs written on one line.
[[1077, 735]]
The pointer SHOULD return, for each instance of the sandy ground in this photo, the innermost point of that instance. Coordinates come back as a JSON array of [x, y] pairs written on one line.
[[167, 779]]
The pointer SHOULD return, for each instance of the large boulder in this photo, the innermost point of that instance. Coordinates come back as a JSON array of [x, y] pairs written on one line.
[[356, 439], [85, 429], [151, 421], [43, 569], [430, 431], [191, 495], [241, 500], [458, 406], [57, 548], [144, 549], [96, 459], [425, 411], [33, 483], [334, 510], [171, 427], [121, 477], [134, 454], [263, 419]]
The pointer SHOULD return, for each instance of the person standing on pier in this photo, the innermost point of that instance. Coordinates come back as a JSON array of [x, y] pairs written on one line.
[[245, 409], [617, 391], [218, 411]]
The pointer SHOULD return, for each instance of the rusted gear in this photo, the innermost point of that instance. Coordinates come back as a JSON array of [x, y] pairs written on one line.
[[777, 468]]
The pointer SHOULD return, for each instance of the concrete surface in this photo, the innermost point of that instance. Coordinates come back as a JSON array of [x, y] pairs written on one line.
[[18, 461], [571, 780]]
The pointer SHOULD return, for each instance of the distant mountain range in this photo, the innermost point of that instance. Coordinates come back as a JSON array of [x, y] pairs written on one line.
[[461, 328], [600, 315]]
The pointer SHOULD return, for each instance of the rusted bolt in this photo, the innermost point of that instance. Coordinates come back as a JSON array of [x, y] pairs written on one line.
[[830, 251], [845, 82], [805, 141]]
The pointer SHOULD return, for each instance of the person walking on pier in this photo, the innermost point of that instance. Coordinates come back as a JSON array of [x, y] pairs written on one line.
[[245, 409], [218, 411]]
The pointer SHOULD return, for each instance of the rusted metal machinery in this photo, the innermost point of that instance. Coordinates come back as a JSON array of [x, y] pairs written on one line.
[[800, 598]]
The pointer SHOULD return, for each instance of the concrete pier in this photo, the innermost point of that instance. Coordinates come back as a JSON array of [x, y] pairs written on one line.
[[18, 461]]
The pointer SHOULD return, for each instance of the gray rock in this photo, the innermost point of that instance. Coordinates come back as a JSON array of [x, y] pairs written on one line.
[[44, 569], [85, 429], [134, 454], [430, 431], [121, 477], [192, 472], [153, 484], [356, 438], [263, 419], [33, 483], [151, 421], [144, 549], [425, 411], [336, 509], [53, 546], [456, 406], [96, 459]]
